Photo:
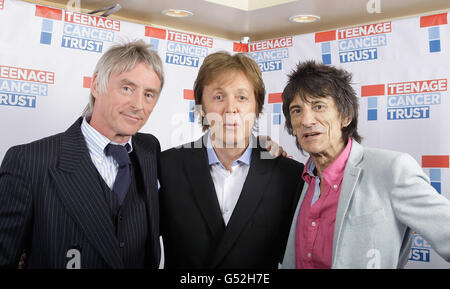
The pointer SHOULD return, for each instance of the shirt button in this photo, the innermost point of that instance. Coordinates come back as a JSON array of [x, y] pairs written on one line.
[[335, 186], [309, 255], [313, 224], [122, 244]]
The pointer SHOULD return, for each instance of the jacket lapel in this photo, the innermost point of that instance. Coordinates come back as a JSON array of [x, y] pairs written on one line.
[[148, 162], [81, 193], [252, 191], [197, 168], [289, 255], [351, 176]]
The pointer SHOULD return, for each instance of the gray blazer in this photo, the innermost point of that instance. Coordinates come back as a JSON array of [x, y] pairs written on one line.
[[385, 197]]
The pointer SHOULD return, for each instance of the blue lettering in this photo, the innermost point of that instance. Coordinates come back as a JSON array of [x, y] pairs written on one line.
[[408, 112], [182, 60], [267, 55], [23, 87], [12, 99], [87, 32], [421, 255], [186, 49], [362, 42], [358, 55], [270, 65], [82, 44], [414, 99]]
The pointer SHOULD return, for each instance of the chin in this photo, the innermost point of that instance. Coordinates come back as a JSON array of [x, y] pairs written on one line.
[[128, 131]]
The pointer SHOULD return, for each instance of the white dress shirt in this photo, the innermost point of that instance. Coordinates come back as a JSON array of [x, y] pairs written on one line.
[[228, 184], [96, 143]]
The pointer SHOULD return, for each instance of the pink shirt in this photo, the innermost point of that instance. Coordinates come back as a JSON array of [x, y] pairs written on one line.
[[317, 215]]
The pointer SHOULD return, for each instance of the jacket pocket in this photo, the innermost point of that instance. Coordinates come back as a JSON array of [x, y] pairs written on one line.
[[371, 218]]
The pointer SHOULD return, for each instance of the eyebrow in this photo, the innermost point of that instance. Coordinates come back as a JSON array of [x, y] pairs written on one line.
[[317, 101], [241, 90], [129, 82]]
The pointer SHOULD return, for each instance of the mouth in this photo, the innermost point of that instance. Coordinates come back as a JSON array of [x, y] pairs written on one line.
[[131, 117], [230, 125], [310, 135]]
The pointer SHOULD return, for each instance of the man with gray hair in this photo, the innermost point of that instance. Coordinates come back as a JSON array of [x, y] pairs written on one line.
[[88, 197]]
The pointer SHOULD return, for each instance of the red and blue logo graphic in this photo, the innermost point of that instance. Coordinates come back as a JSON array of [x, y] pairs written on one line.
[[49, 15], [20, 86], [276, 101], [359, 43], [435, 163], [433, 22], [155, 34], [80, 31], [270, 53], [405, 100], [188, 94]]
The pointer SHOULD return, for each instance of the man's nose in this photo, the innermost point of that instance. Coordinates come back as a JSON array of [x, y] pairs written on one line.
[[308, 117], [230, 103], [137, 99]]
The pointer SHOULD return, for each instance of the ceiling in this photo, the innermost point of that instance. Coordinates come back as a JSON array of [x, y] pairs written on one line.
[[258, 19]]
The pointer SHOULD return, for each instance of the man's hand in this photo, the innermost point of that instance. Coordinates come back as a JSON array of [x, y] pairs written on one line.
[[271, 146]]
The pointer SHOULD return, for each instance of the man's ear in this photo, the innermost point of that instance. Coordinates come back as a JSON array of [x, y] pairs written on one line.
[[202, 111], [94, 90], [346, 121]]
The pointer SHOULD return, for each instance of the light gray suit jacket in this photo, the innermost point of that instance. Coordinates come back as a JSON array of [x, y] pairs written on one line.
[[385, 197]]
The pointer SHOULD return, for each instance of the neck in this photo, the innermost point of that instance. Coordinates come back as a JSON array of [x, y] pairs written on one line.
[[227, 156], [323, 160], [100, 127]]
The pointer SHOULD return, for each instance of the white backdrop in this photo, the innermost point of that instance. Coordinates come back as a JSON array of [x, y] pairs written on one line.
[[400, 72]]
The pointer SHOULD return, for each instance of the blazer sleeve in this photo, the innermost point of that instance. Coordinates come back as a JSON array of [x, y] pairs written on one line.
[[419, 206], [15, 207]]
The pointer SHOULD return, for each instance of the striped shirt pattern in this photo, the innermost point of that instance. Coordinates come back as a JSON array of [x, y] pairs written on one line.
[[96, 143]]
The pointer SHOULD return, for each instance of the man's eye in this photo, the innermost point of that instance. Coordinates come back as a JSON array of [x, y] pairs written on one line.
[[242, 97], [126, 89], [218, 97]]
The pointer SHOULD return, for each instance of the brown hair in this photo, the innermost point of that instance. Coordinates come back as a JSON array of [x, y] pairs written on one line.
[[220, 62], [311, 79]]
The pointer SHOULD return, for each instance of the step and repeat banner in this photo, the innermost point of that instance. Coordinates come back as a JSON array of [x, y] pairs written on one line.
[[400, 72]]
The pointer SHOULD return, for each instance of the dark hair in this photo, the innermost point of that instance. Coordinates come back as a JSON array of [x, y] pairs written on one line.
[[217, 64], [311, 79]]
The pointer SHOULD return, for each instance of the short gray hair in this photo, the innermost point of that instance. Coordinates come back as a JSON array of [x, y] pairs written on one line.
[[121, 58]]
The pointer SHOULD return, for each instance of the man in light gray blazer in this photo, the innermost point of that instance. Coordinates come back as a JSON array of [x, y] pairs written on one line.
[[360, 206]]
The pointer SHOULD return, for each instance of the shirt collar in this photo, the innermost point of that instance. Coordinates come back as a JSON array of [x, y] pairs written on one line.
[[96, 142], [335, 171], [245, 158]]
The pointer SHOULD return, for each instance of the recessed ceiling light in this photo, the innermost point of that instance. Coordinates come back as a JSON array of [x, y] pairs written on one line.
[[304, 18], [177, 13]]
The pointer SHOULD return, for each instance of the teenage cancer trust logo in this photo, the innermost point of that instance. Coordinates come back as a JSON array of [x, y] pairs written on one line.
[[355, 44], [186, 49], [20, 86], [2, 4], [80, 31], [405, 100], [270, 53]]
